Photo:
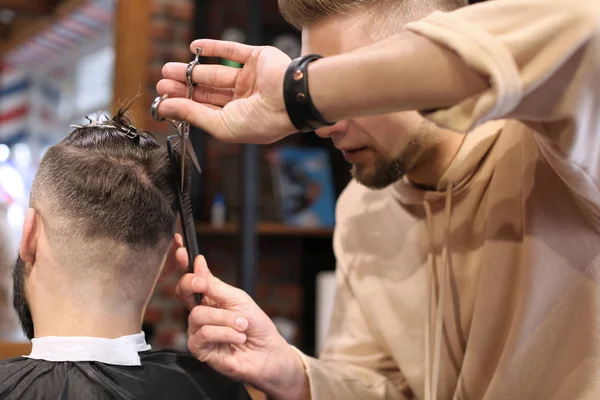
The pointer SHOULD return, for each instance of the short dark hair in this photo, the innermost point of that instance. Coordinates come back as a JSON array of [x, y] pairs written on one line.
[[109, 180]]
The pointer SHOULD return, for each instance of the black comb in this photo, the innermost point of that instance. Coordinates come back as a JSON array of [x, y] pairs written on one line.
[[184, 204]]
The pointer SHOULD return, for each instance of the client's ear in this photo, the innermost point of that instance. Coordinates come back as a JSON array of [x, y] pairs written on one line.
[[29, 238]]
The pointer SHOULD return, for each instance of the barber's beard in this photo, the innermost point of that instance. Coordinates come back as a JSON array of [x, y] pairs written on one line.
[[385, 172], [20, 303]]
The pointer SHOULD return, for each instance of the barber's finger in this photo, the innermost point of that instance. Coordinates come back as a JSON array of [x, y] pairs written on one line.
[[190, 284], [207, 117], [200, 266], [233, 51], [204, 315], [215, 75], [178, 241], [181, 256], [202, 281], [223, 294], [201, 94], [185, 291], [214, 334]]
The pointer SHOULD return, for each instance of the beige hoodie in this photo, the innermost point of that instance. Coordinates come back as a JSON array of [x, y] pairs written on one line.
[[506, 253]]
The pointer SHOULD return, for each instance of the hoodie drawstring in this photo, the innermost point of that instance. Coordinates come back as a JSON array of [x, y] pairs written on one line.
[[433, 359]]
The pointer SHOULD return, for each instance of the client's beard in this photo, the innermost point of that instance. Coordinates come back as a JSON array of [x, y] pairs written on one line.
[[20, 303]]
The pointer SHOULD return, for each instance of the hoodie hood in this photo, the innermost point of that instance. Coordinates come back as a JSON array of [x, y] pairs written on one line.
[[472, 152]]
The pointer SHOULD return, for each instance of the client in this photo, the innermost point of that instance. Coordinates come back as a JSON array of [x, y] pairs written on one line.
[[100, 226]]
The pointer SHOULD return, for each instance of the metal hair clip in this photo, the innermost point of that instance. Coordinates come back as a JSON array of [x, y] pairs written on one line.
[[93, 123], [129, 131]]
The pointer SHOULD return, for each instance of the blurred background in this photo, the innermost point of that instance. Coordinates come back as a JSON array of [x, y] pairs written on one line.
[[265, 214]]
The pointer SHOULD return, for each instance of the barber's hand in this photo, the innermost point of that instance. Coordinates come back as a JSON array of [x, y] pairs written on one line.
[[242, 105], [235, 337]]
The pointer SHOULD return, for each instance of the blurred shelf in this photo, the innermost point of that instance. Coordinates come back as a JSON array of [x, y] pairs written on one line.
[[265, 228], [38, 23]]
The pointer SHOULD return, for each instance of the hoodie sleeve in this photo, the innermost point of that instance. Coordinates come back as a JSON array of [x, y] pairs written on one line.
[[543, 62], [352, 364]]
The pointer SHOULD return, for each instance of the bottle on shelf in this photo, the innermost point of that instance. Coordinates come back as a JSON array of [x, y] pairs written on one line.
[[217, 211]]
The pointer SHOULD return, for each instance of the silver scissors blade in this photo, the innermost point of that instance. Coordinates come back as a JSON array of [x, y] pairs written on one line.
[[192, 154], [183, 145]]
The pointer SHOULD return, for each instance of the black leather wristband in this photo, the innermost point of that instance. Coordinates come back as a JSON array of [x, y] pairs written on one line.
[[298, 103]]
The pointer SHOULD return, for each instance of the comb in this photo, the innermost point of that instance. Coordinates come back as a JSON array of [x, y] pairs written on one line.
[[184, 203]]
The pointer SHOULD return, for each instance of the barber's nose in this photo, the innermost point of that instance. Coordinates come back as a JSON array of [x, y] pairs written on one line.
[[329, 131]]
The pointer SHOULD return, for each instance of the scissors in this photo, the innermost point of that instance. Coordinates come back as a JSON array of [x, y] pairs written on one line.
[[180, 151]]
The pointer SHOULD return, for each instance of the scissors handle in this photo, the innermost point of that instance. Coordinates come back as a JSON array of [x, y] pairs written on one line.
[[190, 70]]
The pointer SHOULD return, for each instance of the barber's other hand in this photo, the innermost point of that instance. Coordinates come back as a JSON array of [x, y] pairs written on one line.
[[241, 105], [235, 337]]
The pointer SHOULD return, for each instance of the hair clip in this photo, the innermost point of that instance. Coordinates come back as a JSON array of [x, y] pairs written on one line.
[[129, 131], [94, 124]]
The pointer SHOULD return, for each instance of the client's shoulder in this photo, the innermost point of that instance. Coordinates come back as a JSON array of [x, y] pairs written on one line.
[[186, 367], [14, 362], [17, 376]]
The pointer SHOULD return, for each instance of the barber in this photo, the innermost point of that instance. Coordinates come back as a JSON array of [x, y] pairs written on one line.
[[499, 251]]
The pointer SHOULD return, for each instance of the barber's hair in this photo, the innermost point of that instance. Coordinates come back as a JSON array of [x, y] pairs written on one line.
[[107, 180], [303, 13]]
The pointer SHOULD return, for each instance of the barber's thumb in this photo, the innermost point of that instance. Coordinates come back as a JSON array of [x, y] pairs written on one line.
[[200, 266], [223, 293]]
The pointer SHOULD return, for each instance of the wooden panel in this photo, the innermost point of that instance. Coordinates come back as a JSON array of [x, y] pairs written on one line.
[[11, 350], [132, 45], [31, 6]]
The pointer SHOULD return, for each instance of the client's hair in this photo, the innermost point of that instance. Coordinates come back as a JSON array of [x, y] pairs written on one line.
[[106, 198], [107, 180]]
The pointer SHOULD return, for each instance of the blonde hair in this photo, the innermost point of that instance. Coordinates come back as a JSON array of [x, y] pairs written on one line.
[[302, 13]]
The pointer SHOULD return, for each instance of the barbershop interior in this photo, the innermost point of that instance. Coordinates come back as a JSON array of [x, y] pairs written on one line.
[[263, 215], [135, 233]]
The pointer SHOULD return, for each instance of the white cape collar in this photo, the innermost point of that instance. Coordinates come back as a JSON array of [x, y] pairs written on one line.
[[120, 351]]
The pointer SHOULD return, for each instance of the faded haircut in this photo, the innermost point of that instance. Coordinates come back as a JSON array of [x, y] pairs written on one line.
[[303, 13], [106, 197]]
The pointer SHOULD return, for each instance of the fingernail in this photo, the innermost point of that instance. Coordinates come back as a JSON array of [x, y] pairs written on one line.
[[241, 322]]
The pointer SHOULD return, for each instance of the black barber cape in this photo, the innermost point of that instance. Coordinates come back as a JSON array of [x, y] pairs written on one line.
[[163, 375]]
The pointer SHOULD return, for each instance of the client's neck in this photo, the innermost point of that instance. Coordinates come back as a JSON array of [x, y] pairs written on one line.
[[100, 318]]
